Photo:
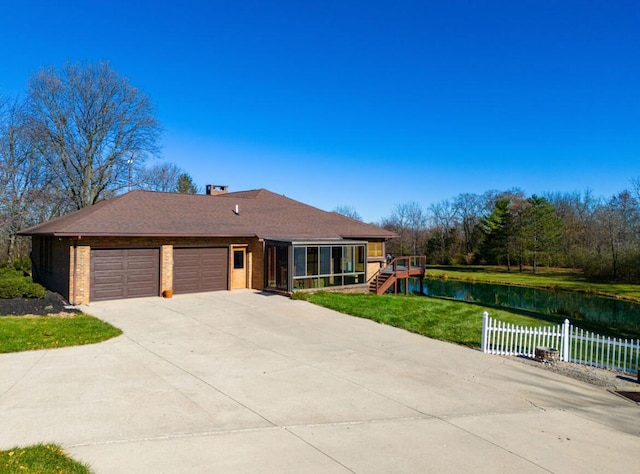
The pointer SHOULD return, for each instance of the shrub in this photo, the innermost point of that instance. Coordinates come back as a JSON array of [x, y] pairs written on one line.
[[34, 290], [9, 272], [22, 264], [14, 285]]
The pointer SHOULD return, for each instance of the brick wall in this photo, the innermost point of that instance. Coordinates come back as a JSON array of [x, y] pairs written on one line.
[[80, 287], [69, 260], [166, 268]]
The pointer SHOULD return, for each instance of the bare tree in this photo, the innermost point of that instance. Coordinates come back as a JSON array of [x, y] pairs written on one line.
[[581, 237], [87, 123], [23, 178], [159, 177], [348, 211], [443, 218], [408, 220], [470, 211], [417, 223], [620, 218]]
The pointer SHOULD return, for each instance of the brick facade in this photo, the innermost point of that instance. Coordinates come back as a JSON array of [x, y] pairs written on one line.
[[80, 274], [166, 268], [69, 269]]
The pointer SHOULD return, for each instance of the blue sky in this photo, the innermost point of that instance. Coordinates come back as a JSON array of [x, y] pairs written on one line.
[[364, 103]]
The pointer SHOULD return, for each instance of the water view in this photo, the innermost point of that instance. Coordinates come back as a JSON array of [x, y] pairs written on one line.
[[575, 306]]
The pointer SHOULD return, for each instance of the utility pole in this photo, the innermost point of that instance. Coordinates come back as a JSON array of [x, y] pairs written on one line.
[[130, 162]]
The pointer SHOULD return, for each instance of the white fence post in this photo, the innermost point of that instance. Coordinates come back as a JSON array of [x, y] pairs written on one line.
[[485, 330], [566, 340]]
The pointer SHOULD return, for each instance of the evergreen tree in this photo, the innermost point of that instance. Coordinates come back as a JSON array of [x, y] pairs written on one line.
[[186, 184], [541, 230], [497, 228]]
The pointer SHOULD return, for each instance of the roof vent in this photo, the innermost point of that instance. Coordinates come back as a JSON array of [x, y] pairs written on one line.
[[236, 211], [214, 189]]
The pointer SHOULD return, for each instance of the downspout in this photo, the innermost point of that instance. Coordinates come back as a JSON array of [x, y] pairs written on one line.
[[75, 271], [290, 268]]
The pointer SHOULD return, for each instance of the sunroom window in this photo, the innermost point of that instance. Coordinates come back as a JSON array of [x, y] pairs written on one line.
[[320, 266]]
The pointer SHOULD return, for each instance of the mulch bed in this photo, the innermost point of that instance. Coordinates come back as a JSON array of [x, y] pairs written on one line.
[[52, 303], [633, 396]]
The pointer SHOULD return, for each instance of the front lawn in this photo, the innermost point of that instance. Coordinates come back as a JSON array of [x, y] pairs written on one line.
[[25, 333], [447, 320], [452, 321], [40, 458]]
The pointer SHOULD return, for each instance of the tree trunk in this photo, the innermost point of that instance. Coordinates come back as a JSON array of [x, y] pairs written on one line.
[[11, 249]]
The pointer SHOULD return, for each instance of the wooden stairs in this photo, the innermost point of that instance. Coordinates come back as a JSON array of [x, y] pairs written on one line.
[[400, 268]]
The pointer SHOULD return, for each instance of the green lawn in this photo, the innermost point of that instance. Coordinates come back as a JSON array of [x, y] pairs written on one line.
[[25, 333], [40, 458], [446, 320], [564, 279]]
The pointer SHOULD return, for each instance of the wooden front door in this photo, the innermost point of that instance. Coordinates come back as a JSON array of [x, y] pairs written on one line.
[[238, 268]]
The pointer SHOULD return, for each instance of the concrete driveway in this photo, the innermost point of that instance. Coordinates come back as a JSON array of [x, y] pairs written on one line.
[[247, 382]]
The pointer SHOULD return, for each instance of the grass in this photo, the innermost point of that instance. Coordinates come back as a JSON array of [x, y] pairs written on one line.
[[562, 279], [40, 458], [446, 320], [25, 333]]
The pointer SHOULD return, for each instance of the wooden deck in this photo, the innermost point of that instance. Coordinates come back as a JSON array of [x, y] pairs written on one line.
[[400, 268]]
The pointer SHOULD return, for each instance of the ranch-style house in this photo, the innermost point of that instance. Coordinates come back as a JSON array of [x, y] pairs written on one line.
[[146, 243]]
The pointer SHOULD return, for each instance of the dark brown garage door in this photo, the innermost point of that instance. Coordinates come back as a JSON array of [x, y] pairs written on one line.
[[124, 273], [200, 269]]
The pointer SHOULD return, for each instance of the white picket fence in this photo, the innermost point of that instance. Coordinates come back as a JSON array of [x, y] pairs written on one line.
[[573, 344]]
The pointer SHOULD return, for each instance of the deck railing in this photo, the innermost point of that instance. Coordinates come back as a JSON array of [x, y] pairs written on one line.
[[396, 269]]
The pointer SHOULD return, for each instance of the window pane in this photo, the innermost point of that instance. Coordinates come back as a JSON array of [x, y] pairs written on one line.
[[305, 283], [347, 258], [299, 261], [282, 265], [354, 279], [322, 266], [312, 261], [336, 257], [325, 260], [238, 259], [359, 258]]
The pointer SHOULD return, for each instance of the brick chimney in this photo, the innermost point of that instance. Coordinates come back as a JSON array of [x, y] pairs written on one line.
[[215, 189]]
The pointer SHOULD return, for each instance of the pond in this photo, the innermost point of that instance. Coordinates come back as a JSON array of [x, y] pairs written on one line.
[[575, 306]]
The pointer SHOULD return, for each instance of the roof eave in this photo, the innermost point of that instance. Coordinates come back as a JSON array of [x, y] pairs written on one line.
[[137, 235]]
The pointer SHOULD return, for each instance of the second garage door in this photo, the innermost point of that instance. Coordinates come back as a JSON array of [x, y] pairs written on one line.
[[200, 269]]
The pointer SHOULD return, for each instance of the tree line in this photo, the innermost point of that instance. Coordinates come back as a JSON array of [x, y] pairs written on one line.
[[574, 230], [78, 135]]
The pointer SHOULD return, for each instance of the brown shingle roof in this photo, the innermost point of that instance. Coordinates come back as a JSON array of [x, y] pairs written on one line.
[[261, 214]]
